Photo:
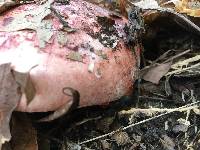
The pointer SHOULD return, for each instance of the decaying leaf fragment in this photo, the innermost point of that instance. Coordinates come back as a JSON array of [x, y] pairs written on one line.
[[76, 56], [26, 85], [155, 72], [190, 7], [44, 33], [9, 98], [167, 142], [62, 38], [29, 19], [121, 138]]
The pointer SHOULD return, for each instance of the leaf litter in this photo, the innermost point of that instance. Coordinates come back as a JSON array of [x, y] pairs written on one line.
[[33, 19], [29, 19], [163, 106], [9, 98]]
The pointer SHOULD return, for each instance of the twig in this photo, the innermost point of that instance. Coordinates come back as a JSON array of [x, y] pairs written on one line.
[[185, 62], [86, 120], [182, 70], [141, 122], [152, 110], [178, 55], [155, 98]]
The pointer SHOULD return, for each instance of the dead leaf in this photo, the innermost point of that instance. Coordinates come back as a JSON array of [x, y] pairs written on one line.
[[147, 4], [76, 56], [182, 126], [155, 72], [29, 19], [190, 7], [105, 144], [62, 38], [24, 136], [27, 87], [9, 98], [44, 32], [121, 138], [104, 124], [196, 111], [69, 29], [167, 143]]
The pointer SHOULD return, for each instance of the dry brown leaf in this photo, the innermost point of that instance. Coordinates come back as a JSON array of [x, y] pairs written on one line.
[[29, 19], [121, 138], [155, 72], [9, 97], [190, 7], [24, 136], [27, 87]]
